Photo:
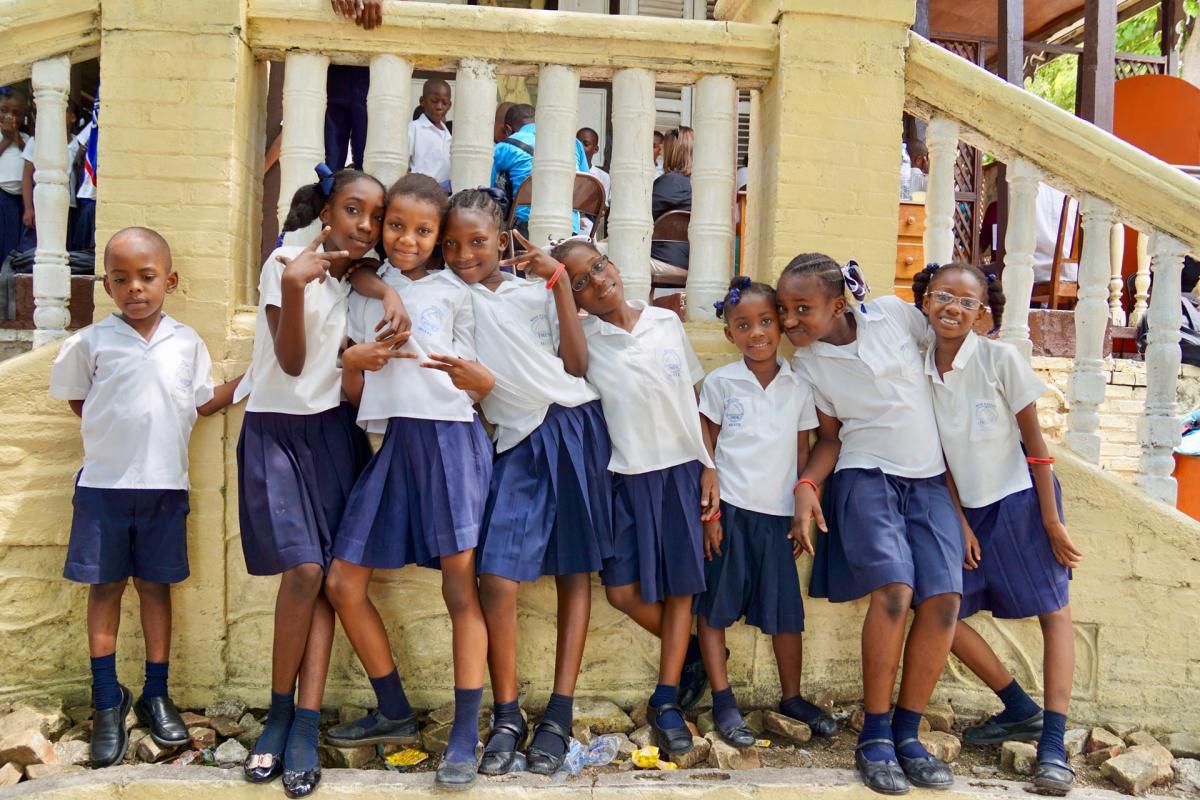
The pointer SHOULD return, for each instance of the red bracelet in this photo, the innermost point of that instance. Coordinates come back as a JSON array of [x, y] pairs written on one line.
[[1032, 460], [717, 517], [558, 271], [807, 482]]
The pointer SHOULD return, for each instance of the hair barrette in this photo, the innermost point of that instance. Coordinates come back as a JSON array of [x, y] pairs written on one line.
[[324, 178]]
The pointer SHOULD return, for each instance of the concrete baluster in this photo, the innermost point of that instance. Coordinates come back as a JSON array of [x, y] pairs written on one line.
[[710, 232], [630, 223], [51, 201], [1141, 281], [941, 136], [554, 164], [389, 111], [472, 145], [1116, 283], [303, 144], [1019, 244]]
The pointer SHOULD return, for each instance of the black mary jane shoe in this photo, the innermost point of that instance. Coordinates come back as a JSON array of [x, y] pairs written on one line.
[[262, 767], [883, 777], [924, 771], [301, 783], [993, 732], [542, 762], [675, 741], [737, 735], [500, 762], [110, 740], [161, 716], [455, 774], [1053, 776]]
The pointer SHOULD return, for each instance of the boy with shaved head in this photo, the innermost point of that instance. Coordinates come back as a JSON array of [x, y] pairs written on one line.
[[137, 379], [428, 136]]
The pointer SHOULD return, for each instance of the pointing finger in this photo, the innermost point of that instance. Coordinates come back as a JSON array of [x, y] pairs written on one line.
[[431, 365], [319, 240]]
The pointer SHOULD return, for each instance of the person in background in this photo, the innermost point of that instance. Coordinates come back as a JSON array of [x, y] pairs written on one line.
[[591, 146], [346, 89], [512, 161], [501, 132], [673, 192], [14, 106], [85, 197], [428, 136], [658, 153], [1049, 217], [74, 142]]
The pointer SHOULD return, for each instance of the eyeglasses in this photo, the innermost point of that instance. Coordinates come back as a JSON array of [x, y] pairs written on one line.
[[594, 269], [946, 299]]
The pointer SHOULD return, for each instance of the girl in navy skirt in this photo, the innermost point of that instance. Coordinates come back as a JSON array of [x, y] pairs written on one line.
[[641, 362], [420, 499], [299, 454], [549, 508], [897, 536], [751, 547], [1019, 554]]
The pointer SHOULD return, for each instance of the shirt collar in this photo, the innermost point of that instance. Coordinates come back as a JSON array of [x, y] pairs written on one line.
[[963, 357], [647, 315], [166, 328], [741, 372], [425, 122], [529, 128]]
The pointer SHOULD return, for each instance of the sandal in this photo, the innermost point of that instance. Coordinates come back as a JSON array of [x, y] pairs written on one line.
[[542, 762]]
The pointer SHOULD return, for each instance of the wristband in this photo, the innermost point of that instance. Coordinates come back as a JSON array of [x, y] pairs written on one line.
[[1032, 460], [558, 271], [717, 517], [807, 482]]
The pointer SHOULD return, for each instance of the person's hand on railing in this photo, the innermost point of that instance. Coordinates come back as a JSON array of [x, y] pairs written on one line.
[[367, 14]]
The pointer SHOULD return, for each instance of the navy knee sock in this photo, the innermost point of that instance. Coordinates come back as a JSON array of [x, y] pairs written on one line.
[[560, 709], [1050, 745], [156, 679], [106, 692], [725, 709], [301, 752], [798, 708], [664, 694], [876, 726], [464, 733], [504, 712], [1017, 704], [390, 698], [905, 725], [279, 722]]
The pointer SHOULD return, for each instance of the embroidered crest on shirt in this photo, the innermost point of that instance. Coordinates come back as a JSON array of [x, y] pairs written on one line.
[[432, 319], [183, 382], [540, 326], [672, 361], [987, 416], [735, 413]]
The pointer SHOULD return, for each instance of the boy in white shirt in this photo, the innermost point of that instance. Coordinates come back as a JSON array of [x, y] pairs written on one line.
[[428, 137], [137, 379]]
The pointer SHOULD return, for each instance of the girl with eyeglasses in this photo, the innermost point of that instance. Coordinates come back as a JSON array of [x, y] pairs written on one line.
[[1018, 552], [640, 361]]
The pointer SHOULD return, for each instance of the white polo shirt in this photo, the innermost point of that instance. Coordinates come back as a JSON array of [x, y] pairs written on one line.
[[318, 387], [73, 145], [976, 404], [516, 337], [442, 322], [139, 400], [429, 149], [756, 456], [12, 167], [645, 379], [878, 391]]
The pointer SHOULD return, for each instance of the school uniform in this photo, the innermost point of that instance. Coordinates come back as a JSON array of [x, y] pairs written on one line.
[[422, 494], [429, 149], [549, 507], [976, 403], [645, 379], [890, 513], [140, 399], [13, 235], [755, 575], [299, 451]]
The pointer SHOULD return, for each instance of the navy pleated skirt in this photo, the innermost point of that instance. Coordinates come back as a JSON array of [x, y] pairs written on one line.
[[549, 509], [13, 235], [657, 537], [754, 577], [1017, 575], [887, 529], [295, 473], [421, 496]]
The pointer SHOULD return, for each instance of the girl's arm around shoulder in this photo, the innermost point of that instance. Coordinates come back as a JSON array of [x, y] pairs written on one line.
[[911, 318], [365, 280]]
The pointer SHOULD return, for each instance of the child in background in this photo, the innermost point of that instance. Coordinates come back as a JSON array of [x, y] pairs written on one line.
[[428, 137], [751, 547], [298, 456], [898, 537], [14, 107], [137, 379], [665, 484], [421, 498], [1019, 554]]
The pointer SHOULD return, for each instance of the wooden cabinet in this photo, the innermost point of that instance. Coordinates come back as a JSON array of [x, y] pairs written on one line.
[[910, 247]]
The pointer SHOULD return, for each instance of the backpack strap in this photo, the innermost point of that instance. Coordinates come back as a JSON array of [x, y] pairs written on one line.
[[517, 143]]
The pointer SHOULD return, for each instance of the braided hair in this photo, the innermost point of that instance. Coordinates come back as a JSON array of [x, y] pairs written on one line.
[[989, 282], [310, 199], [483, 199], [836, 279], [560, 251], [740, 288]]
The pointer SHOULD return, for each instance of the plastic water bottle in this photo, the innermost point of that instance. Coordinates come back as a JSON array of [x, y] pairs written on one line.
[[574, 761], [905, 174], [602, 750]]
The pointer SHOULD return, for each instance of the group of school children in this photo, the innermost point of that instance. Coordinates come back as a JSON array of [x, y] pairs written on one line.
[[939, 494]]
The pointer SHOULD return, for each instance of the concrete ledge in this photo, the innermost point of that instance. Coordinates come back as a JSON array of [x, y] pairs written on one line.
[[161, 782]]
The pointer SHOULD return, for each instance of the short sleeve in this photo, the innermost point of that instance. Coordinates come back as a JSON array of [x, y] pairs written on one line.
[[820, 400], [71, 375], [202, 380], [581, 164], [355, 310], [712, 400], [695, 371], [28, 152], [464, 325], [1018, 382], [806, 420], [270, 282], [907, 314]]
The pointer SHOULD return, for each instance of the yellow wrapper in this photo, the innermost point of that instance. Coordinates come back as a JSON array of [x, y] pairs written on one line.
[[645, 758], [763, 743], [407, 758], [667, 765]]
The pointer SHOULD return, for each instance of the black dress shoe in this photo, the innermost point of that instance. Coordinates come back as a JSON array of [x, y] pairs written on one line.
[[675, 741], [823, 726], [456, 774], [500, 762], [162, 718], [693, 680], [373, 729], [737, 735], [884, 777], [925, 771], [109, 737], [1053, 776], [262, 767], [301, 783], [542, 762], [993, 732]]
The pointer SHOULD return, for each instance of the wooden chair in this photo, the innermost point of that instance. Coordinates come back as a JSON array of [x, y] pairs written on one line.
[[587, 197], [1057, 293], [672, 226]]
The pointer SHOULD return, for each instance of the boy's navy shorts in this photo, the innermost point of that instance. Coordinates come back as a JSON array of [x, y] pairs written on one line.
[[122, 533]]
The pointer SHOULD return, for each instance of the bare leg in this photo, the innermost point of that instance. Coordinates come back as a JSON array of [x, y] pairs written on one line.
[[346, 590], [1058, 642], [882, 643], [628, 600], [676, 630], [461, 595], [927, 648], [574, 610], [299, 588], [155, 603], [104, 617], [789, 657], [971, 649], [498, 598], [314, 667], [712, 649]]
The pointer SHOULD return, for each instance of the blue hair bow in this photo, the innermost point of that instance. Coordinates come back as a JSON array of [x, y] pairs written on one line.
[[492, 192], [931, 268], [324, 178], [719, 306], [855, 281]]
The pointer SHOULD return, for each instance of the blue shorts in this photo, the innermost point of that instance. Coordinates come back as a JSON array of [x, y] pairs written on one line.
[[119, 533]]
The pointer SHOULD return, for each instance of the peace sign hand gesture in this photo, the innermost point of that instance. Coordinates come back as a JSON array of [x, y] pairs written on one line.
[[470, 376], [309, 264], [534, 261], [373, 356]]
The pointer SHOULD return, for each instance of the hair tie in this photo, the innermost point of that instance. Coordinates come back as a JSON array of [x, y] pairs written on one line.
[[991, 277], [855, 282], [492, 192], [719, 306], [324, 178], [735, 296], [744, 282], [931, 268]]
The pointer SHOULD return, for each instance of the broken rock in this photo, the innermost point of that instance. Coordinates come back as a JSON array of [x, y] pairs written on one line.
[[726, 756], [791, 729], [227, 707], [940, 717], [945, 746], [1019, 758], [72, 752], [1103, 739], [1183, 745], [230, 752], [10, 774], [1187, 774], [1139, 769], [26, 747], [203, 738], [697, 756], [1075, 740], [37, 771], [602, 716]]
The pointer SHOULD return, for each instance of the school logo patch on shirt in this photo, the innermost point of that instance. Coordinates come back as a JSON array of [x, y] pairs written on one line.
[[735, 413], [672, 361], [540, 326], [183, 382], [432, 319], [987, 416]]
